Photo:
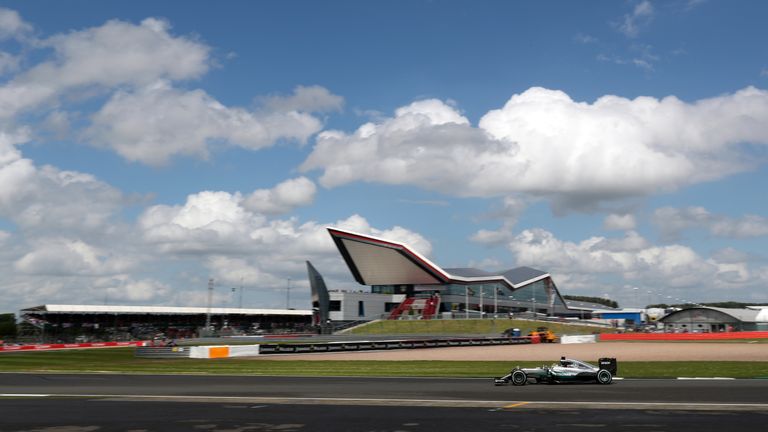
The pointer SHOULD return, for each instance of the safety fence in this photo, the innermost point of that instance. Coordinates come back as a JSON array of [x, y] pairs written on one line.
[[683, 336]]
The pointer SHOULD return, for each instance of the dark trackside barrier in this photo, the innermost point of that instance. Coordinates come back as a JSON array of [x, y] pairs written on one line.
[[297, 348], [162, 352], [388, 344]]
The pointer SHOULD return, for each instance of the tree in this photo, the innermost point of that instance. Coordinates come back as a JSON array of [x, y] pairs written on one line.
[[7, 325]]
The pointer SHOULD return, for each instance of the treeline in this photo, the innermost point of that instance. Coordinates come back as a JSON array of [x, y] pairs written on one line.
[[7, 325], [598, 300]]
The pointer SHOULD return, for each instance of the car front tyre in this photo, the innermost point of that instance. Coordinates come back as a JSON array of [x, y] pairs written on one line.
[[519, 378], [604, 377]]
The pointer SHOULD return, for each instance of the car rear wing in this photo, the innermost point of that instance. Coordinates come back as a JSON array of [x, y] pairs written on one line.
[[609, 364]]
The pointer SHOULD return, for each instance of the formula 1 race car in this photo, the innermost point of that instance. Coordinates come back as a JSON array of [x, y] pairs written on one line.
[[565, 371]]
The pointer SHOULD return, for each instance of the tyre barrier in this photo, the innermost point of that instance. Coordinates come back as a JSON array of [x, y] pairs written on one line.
[[226, 351]]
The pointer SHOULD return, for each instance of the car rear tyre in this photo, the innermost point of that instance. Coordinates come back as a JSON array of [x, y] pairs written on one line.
[[519, 378], [604, 377]]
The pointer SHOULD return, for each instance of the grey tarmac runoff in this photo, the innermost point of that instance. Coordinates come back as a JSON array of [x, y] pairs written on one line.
[[169, 403], [446, 392], [96, 415]]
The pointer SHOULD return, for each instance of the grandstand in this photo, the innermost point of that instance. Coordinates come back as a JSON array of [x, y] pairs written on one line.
[[70, 323]]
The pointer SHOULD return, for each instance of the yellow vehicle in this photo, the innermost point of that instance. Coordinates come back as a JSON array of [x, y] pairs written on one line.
[[544, 334]]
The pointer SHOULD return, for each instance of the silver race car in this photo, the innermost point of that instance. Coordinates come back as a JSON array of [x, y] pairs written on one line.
[[565, 371]]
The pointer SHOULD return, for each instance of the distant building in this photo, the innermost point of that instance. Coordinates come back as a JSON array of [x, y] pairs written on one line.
[[627, 317], [408, 285], [712, 319]]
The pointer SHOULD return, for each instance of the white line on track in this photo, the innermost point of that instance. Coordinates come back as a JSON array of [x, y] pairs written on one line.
[[415, 402], [704, 378]]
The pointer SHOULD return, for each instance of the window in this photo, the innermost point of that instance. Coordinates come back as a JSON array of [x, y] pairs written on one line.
[[334, 305], [360, 308]]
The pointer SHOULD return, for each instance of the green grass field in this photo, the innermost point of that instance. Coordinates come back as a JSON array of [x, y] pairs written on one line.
[[470, 326], [122, 360]]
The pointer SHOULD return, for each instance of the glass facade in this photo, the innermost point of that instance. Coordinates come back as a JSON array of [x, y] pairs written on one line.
[[392, 289], [539, 290], [498, 297], [494, 296]]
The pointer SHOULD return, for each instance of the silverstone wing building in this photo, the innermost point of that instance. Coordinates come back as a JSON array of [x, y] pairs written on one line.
[[418, 288]]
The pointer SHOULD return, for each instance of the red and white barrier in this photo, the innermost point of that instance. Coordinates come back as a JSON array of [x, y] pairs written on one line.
[[224, 351], [58, 346], [683, 336], [575, 339]]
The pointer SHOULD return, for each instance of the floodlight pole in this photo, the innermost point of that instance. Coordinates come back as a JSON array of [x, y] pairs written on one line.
[[637, 302], [241, 293], [208, 309], [495, 301], [480, 305], [288, 294], [466, 302]]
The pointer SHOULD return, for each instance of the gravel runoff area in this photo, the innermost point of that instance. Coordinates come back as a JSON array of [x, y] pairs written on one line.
[[626, 351]]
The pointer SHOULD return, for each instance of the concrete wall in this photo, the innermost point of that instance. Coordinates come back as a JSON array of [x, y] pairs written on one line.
[[373, 305]]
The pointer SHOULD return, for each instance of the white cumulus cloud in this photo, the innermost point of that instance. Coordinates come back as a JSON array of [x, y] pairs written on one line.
[[157, 122], [306, 99], [600, 263], [63, 257], [207, 222], [116, 53], [283, 198], [47, 199], [619, 222], [123, 289], [641, 15], [673, 221], [12, 25], [544, 143]]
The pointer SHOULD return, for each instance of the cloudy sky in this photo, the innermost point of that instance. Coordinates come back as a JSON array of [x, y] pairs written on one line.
[[146, 147]]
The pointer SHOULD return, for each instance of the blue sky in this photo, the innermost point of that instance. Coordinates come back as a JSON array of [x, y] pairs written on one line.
[[148, 146]]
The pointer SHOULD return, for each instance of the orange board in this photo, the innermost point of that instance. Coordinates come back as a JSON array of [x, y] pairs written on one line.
[[218, 352]]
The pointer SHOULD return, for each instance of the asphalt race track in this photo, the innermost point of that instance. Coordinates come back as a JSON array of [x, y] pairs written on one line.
[[104, 402]]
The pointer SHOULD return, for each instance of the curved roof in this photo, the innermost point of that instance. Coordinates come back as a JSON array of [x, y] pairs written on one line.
[[376, 261], [743, 315]]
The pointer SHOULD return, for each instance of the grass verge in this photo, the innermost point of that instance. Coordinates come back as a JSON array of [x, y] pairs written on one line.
[[470, 326], [121, 360]]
